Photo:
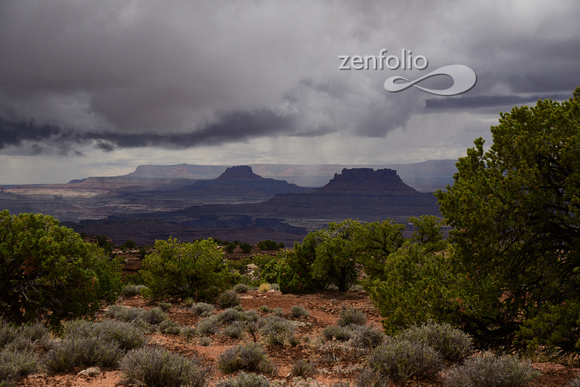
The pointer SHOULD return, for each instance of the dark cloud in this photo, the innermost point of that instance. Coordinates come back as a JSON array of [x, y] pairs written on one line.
[[231, 127]]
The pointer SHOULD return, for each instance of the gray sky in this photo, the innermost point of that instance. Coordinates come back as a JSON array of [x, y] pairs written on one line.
[[95, 88]]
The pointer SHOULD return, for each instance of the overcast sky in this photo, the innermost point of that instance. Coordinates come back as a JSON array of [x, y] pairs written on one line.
[[95, 88]]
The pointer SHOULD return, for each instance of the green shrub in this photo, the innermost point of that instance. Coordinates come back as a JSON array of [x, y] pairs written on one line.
[[241, 288], [79, 351], [451, 343], [337, 332], [14, 365], [34, 250], [165, 306], [248, 357], [351, 316], [188, 332], [491, 371], [178, 270], [234, 330], [154, 366], [265, 309], [269, 245], [205, 341], [202, 309], [245, 380], [228, 299], [169, 327], [371, 378], [277, 331], [132, 290], [402, 360], [303, 369], [207, 326], [124, 335], [298, 311], [230, 315], [246, 248], [366, 337]]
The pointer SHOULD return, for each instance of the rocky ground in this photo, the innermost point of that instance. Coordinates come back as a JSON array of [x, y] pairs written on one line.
[[334, 362]]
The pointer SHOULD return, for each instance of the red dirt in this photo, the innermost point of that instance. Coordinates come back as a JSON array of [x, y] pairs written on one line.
[[333, 364]]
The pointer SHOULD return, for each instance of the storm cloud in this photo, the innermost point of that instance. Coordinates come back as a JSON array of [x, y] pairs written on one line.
[[116, 76]]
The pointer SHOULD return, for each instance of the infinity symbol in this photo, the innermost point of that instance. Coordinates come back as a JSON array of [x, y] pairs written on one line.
[[463, 77]]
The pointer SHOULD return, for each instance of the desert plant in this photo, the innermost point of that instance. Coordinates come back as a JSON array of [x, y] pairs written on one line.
[[14, 365], [337, 332], [228, 299], [265, 309], [132, 290], [245, 379], [205, 341], [234, 330], [165, 306], [49, 273], [169, 327], [278, 312], [453, 344], [230, 315], [275, 287], [264, 287], [371, 378], [574, 383], [241, 288], [303, 369], [276, 330], [366, 337], [491, 371], [269, 245], [124, 335], [246, 248], [248, 357], [351, 316], [402, 360], [154, 366], [298, 311], [76, 352], [188, 332], [202, 309], [207, 326], [178, 270]]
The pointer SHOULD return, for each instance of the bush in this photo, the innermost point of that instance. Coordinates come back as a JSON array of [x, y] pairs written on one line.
[[371, 378], [133, 290], [249, 357], [366, 337], [230, 315], [14, 365], [574, 383], [228, 299], [241, 288], [351, 316], [153, 366], [234, 331], [76, 352], [402, 360], [202, 309], [264, 288], [207, 326], [491, 371], [246, 248], [188, 332], [165, 306], [246, 380], [451, 343], [178, 270], [124, 335], [337, 332], [169, 327], [269, 245], [298, 311], [277, 331], [35, 249], [303, 369]]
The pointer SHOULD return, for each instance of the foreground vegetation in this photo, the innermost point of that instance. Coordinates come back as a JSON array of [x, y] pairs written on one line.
[[506, 279]]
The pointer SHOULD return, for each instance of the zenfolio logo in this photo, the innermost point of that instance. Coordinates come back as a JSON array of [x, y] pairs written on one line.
[[464, 78]]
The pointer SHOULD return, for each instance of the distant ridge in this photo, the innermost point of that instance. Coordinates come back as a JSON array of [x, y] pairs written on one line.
[[365, 181]]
